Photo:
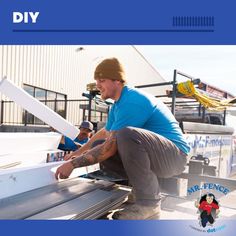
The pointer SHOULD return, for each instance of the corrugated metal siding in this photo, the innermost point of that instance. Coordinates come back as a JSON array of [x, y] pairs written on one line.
[[67, 70]]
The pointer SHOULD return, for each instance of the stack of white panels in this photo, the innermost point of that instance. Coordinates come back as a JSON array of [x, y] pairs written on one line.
[[23, 162], [24, 156], [28, 142], [26, 149], [20, 180]]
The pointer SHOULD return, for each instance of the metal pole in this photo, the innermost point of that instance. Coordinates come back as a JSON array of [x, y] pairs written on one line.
[[154, 85], [26, 118], [224, 118], [90, 106], [100, 116], [186, 75], [203, 108], [55, 105], [203, 114], [2, 111], [84, 118], [199, 109], [66, 105], [174, 93]]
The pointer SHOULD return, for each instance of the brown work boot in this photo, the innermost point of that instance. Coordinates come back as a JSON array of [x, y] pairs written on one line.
[[131, 198], [138, 212]]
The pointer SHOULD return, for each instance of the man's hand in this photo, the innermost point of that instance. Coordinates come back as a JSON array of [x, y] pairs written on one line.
[[95, 155], [64, 171], [72, 155], [68, 156]]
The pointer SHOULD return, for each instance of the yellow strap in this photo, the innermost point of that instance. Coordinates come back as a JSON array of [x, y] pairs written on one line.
[[188, 89]]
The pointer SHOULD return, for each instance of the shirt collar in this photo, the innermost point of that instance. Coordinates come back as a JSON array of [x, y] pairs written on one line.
[[123, 92]]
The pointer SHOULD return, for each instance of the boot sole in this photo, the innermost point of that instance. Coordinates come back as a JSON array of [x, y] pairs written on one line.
[[154, 217]]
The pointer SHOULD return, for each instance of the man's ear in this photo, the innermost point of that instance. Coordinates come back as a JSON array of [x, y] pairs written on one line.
[[118, 82]]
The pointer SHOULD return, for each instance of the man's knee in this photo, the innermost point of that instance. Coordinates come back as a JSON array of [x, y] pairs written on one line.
[[124, 134], [128, 142]]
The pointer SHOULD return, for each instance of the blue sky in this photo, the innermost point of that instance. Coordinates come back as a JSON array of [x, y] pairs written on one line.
[[215, 65]]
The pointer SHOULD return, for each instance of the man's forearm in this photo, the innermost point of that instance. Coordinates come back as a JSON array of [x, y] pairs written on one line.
[[98, 153], [102, 134]]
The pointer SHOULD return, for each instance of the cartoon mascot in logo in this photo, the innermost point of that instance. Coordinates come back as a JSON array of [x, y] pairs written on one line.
[[209, 209]]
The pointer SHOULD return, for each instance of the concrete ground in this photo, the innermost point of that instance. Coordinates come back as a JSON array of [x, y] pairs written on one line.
[[180, 208]]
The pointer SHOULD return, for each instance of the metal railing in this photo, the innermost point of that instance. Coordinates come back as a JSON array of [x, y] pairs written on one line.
[[188, 105], [73, 110]]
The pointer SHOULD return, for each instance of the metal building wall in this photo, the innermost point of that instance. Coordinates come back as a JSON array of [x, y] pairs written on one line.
[[49, 67], [67, 69]]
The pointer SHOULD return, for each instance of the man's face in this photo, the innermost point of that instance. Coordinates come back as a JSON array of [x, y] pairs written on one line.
[[209, 199], [84, 133], [107, 88]]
